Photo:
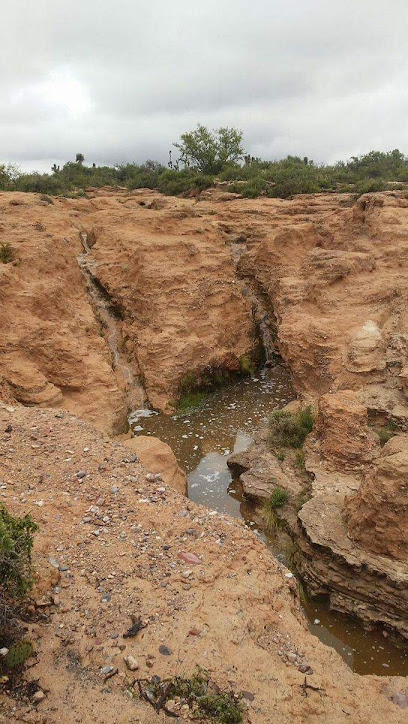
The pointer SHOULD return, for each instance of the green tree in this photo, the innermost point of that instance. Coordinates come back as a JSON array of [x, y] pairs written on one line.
[[80, 158], [210, 151]]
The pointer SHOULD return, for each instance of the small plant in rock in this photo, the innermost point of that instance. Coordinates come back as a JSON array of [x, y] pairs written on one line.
[[289, 429], [246, 365], [7, 253], [386, 432], [277, 499], [204, 698], [46, 198]]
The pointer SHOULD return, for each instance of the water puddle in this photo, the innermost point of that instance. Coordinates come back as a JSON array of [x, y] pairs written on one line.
[[202, 440]]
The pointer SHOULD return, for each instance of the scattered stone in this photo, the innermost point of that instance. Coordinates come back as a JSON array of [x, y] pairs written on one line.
[[134, 629], [248, 695], [164, 650], [194, 632], [131, 663], [106, 598], [400, 699], [38, 696], [150, 477], [4, 651], [292, 658], [106, 670], [189, 558], [81, 474]]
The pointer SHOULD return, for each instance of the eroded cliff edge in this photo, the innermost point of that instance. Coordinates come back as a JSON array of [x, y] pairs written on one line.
[[187, 284]]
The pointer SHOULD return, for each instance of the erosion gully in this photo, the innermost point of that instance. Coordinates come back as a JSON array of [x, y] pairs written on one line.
[[202, 439]]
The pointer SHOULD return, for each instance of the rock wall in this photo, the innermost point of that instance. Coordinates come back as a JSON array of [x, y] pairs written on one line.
[[377, 515]]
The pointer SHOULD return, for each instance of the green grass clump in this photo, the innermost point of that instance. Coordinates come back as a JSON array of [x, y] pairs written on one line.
[[190, 400], [16, 542], [7, 253], [386, 432], [289, 429], [277, 499]]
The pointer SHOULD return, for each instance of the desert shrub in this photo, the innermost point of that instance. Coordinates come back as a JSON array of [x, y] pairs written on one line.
[[289, 429], [173, 183], [370, 186], [7, 253], [16, 541], [210, 151], [38, 183]]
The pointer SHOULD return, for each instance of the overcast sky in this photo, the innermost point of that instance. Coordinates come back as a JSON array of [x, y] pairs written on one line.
[[119, 80]]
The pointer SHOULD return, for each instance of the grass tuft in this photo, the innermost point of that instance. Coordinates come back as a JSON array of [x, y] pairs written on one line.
[[7, 253], [289, 429]]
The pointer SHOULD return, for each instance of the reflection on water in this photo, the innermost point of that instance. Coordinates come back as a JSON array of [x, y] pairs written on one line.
[[202, 440]]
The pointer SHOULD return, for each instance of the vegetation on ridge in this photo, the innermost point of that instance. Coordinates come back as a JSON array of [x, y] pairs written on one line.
[[207, 157]]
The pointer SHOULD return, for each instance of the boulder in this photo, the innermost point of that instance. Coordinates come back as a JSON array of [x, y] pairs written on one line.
[[158, 457]]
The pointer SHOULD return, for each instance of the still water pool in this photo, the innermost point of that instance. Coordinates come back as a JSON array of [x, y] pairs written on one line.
[[202, 439]]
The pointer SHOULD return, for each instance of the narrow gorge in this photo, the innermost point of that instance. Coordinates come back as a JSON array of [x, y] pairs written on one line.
[[127, 306]]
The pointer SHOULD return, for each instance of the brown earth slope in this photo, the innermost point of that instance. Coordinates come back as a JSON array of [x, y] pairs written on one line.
[[116, 539]]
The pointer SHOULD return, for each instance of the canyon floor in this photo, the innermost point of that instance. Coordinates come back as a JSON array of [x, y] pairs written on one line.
[[121, 299]]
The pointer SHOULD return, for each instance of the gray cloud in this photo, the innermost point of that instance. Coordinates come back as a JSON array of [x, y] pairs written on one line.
[[120, 80]]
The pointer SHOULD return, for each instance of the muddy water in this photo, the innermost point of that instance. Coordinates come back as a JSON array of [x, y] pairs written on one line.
[[202, 440]]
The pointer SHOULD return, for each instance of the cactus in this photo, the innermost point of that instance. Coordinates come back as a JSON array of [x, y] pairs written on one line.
[[18, 654]]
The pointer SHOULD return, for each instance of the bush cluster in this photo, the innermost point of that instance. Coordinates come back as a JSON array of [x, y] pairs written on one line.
[[374, 171]]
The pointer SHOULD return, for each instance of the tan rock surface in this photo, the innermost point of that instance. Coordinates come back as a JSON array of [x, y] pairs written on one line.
[[377, 515], [117, 543], [341, 426], [158, 457]]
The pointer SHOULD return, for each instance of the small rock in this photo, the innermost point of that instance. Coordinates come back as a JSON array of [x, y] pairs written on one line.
[[248, 695], [131, 663], [4, 652], [81, 474], [106, 670], [106, 598], [150, 477], [292, 658], [189, 558], [171, 706], [194, 632], [38, 696], [114, 489], [164, 650], [400, 699], [316, 621]]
